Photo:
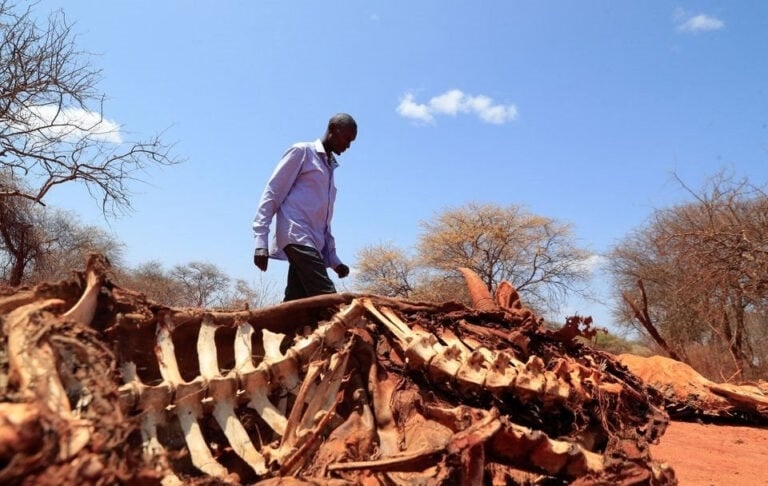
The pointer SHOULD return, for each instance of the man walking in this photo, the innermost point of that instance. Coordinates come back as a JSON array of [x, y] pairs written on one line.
[[301, 193]]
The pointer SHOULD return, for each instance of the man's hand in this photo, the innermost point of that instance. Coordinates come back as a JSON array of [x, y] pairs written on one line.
[[341, 270], [261, 258]]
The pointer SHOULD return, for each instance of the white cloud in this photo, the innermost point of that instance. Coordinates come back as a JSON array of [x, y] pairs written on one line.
[[593, 263], [448, 103], [409, 109], [454, 102], [694, 24], [73, 124]]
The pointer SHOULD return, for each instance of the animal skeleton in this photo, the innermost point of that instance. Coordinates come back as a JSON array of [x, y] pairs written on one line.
[[342, 388]]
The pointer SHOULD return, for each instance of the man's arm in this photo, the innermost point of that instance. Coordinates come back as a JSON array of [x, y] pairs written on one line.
[[278, 186]]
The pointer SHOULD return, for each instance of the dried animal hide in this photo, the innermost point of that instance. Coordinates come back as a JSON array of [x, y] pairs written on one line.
[[109, 388], [690, 396]]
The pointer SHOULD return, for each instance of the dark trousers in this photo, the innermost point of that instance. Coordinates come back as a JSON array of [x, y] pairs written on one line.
[[307, 275]]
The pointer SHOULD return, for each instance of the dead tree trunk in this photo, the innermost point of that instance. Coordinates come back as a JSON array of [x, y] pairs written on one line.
[[645, 319]]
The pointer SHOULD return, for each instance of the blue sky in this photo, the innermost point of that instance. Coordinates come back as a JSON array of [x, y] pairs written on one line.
[[579, 111]]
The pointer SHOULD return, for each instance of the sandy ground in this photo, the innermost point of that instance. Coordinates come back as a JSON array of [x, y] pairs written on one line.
[[721, 455]]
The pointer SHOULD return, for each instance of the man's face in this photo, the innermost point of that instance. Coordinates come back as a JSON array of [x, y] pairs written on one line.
[[342, 137]]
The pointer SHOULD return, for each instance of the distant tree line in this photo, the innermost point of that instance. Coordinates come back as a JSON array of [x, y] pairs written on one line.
[[58, 244]]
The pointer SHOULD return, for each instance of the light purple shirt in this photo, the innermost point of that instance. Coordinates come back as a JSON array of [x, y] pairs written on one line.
[[301, 193]]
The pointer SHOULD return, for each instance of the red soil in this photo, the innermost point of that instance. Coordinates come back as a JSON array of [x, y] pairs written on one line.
[[715, 455]]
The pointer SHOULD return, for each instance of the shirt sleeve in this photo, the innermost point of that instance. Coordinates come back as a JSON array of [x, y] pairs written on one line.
[[332, 260], [279, 184]]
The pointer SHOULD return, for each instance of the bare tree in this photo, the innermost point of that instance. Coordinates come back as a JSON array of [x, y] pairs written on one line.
[[704, 266], [197, 284], [38, 243], [151, 279], [536, 254], [52, 126], [202, 284], [244, 295], [66, 244], [20, 242]]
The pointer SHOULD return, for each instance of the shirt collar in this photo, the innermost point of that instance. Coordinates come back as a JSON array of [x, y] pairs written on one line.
[[330, 159]]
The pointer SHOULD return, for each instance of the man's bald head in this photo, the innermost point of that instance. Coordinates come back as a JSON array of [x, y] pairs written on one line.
[[342, 131], [342, 120]]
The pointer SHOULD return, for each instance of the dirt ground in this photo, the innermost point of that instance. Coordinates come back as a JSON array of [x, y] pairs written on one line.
[[716, 455]]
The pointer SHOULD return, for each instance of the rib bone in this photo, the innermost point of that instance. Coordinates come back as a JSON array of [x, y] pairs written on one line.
[[188, 406], [223, 390], [255, 382]]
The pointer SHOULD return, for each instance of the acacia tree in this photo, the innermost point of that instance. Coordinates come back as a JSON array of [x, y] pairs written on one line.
[[38, 243], [66, 244], [154, 282], [195, 284], [202, 284], [385, 269], [536, 254], [704, 268], [242, 294]]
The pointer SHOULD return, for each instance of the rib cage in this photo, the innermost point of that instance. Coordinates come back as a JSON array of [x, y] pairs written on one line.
[[363, 387]]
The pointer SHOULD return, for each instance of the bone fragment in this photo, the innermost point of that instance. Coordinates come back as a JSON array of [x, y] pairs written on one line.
[[532, 450], [165, 352], [206, 349], [21, 430], [32, 360], [291, 439], [272, 341], [474, 435], [85, 308], [256, 385], [382, 387], [151, 404], [311, 442], [280, 370], [283, 369], [301, 427], [420, 347], [403, 461], [322, 397]]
